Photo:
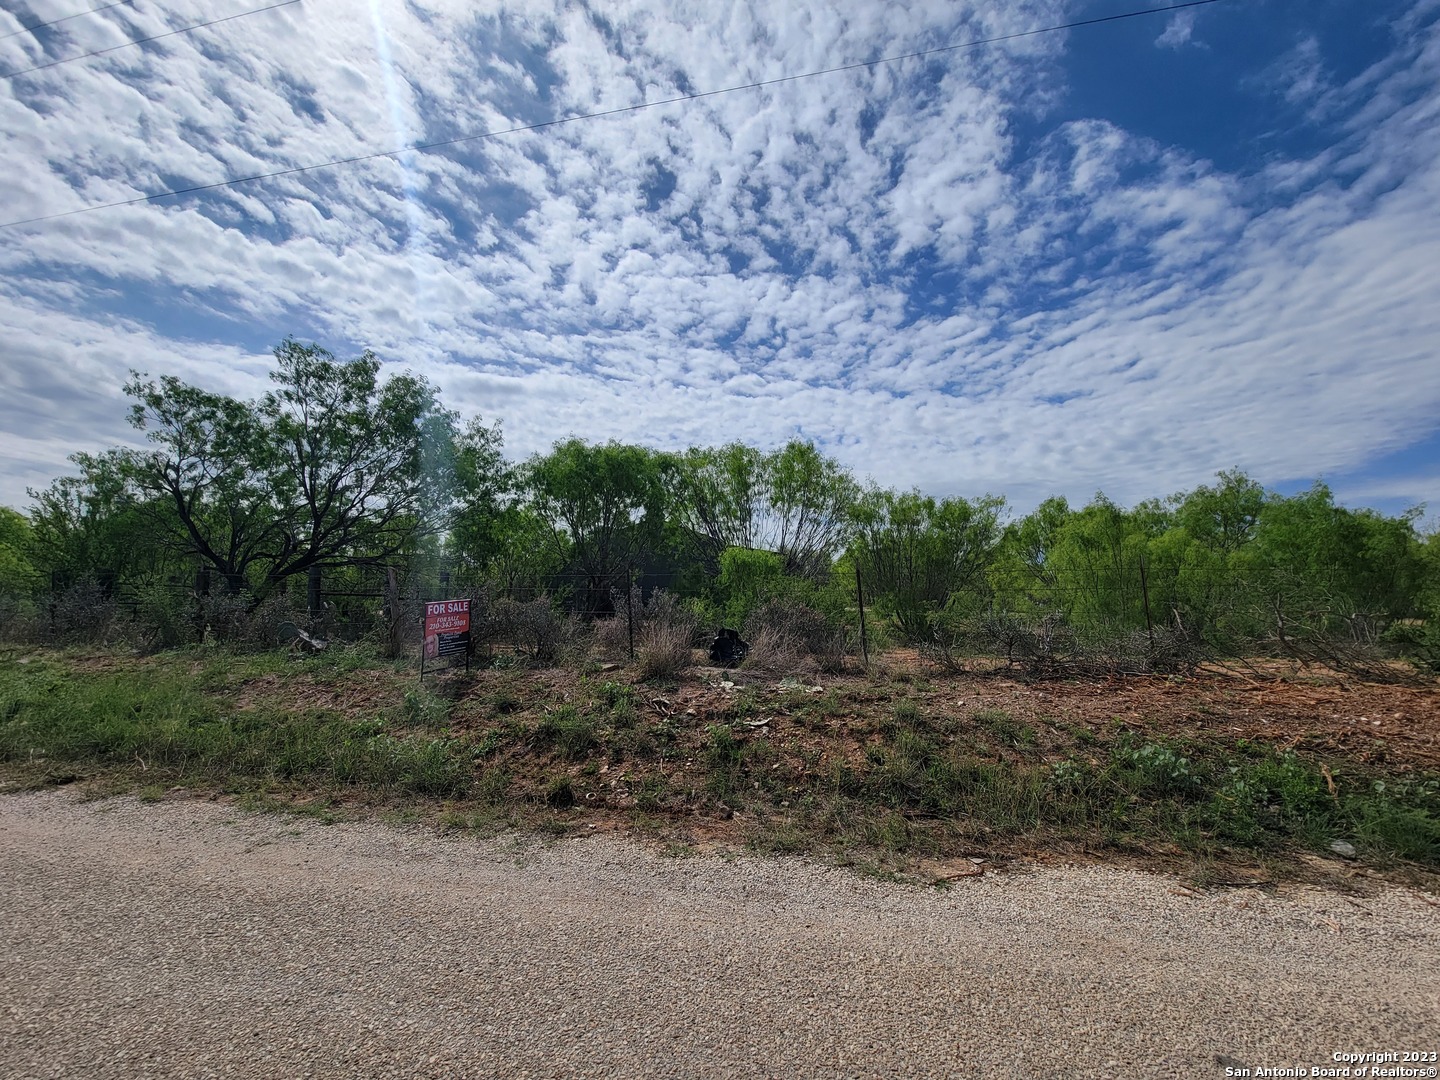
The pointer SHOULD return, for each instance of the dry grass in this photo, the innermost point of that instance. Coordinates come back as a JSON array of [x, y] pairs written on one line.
[[664, 650]]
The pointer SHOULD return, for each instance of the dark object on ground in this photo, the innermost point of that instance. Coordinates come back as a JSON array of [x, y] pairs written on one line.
[[727, 649], [299, 640]]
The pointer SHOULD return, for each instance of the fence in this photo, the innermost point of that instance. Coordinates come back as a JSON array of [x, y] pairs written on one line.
[[1046, 621]]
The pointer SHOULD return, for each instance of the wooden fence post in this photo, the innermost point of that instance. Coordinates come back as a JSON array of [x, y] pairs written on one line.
[[860, 600]]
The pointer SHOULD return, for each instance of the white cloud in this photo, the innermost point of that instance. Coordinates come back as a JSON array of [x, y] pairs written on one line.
[[1179, 31], [864, 257]]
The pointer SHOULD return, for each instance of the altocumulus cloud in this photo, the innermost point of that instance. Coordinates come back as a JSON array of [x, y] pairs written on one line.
[[968, 272]]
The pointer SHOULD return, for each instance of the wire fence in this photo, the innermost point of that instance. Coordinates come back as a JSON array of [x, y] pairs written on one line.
[[1128, 617]]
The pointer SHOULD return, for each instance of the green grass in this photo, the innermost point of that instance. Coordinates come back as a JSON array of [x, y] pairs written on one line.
[[573, 734], [159, 722], [1005, 729], [908, 784]]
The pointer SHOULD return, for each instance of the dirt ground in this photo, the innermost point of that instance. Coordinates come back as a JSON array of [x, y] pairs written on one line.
[[804, 726]]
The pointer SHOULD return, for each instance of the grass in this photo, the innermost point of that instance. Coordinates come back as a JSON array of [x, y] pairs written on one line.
[[573, 734], [162, 723], [847, 771]]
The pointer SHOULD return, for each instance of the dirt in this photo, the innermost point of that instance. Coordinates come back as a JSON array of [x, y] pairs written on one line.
[[808, 725]]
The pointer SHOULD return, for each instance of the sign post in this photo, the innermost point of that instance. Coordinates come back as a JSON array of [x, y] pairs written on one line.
[[447, 631]]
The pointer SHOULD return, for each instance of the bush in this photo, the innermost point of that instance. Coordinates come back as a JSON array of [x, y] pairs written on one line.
[[782, 632], [537, 629], [569, 731], [1047, 646], [84, 613], [666, 638], [612, 637], [664, 630]]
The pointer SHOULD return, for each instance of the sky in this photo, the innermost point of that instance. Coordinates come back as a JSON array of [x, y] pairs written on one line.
[[1119, 257]]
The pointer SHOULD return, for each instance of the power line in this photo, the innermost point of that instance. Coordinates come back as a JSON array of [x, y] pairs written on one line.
[[521, 128], [67, 18], [142, 41]]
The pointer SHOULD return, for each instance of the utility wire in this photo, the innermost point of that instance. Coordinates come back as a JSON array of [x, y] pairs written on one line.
[[142, 41], [67, 18], [518, 129]]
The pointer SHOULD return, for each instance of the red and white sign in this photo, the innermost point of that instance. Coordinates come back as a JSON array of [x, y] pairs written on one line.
[[447, 627]]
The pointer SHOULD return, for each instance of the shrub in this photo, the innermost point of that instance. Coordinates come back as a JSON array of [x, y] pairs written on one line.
[[537, 629], [571, 733], [612, 637], [84, 613], [665, 637], [665, 651], [781, 632]]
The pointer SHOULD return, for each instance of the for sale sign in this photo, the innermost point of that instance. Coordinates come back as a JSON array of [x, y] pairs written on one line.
[[447, 628]]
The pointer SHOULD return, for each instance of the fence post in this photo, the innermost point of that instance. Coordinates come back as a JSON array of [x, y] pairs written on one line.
[[312, 591], [629, 606], [860, 600], [444, 584], [1145, 595]]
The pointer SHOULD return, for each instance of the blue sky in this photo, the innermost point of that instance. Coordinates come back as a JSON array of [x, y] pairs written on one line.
[[1120, 257]]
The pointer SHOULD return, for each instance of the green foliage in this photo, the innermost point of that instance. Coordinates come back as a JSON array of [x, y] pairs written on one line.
[[160, 722], [331, 465], [724, 755], [336, 467], [19, 576], [420, 708], [485, 528], [604, 507], [572, 733], [917, 556], [794, 502], [1154, 769], [747, 579]]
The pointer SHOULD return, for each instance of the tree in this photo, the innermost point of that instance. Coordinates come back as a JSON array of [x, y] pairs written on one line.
[[19, 576], [717, 495], [918, 555], [206, 486], [604, 507], [484, 485], [1224, 517], [91, 526], [1023, 574], [360, 469], [795, 502], [332, 467]]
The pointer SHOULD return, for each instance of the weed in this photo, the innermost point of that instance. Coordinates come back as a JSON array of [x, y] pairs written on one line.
[[664, 649], [492, 786], [906, 714], [559, 794], [723, 758], [570, 732], [827, 706], [624, 716], [615, 695], [503, 702], [161, 723], [1153, 769], [650, 793], [744, 705], [421, 708], [771, 837], [1005, 729]]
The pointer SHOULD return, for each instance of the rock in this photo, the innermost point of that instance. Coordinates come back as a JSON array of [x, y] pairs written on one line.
[[298, 639], [1343, 849]]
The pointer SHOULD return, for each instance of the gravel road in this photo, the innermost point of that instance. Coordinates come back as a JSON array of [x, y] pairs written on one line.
[[189, 939]]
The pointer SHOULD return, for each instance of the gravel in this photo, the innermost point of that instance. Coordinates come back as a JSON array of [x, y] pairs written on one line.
[[186, 938]]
